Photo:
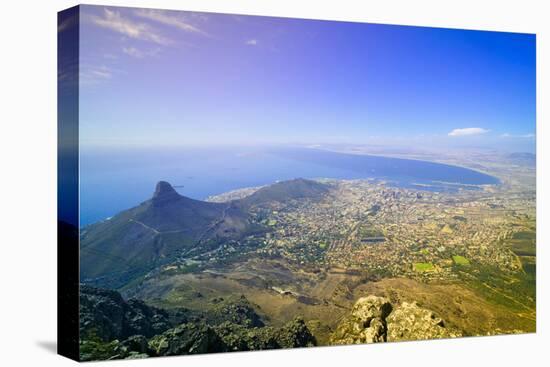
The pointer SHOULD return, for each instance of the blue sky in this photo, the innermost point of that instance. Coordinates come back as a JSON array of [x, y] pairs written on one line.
[[165, 78]]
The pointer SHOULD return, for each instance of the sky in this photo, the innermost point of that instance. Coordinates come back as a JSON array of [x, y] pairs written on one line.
[[173, 78]]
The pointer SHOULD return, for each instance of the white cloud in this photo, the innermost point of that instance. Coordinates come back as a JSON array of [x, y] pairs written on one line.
[[468, 131], [251, 42], [171, 19], [114, 21]]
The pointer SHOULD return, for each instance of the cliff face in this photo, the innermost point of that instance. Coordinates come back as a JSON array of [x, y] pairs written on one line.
[[374, 320]]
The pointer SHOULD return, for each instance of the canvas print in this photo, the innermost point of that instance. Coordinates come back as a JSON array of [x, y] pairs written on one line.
[[238, 183]]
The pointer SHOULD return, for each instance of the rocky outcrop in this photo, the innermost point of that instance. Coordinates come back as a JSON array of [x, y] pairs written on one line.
[[295, 334], [227, 337], [410, 322], [234, 310], [136, 343], [113, 328], [94, 349], [374, 320], [366, 323], [187, 339], [164, 192], [292, 335], [104, 314]]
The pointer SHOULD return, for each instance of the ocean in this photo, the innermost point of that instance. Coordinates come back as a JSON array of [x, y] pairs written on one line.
[[113, 180]]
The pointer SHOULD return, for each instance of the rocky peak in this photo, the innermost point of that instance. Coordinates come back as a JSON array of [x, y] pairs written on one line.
[[164, 191]]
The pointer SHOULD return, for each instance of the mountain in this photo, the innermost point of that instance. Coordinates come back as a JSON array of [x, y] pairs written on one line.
[[136, 240], [286, 190], [118, 250]]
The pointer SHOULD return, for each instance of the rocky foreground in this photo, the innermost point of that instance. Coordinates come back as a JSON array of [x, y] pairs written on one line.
[[374, 320], [113, 328]]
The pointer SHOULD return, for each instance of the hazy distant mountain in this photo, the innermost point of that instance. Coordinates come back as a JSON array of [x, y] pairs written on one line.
[[286, 190], [140, 238], [523, 159]]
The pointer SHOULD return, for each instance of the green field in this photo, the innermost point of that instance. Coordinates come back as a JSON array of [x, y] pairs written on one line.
[[423, 267], [460, 260]]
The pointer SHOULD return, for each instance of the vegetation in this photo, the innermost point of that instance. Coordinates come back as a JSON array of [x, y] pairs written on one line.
[[94, 349], [460, 260], [423, 267], [516, 291]]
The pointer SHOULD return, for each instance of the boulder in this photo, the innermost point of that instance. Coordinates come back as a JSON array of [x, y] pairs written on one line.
[[366, 323], [374, 319], [410, 322]]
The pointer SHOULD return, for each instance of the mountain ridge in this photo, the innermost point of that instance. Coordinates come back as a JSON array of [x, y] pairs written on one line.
[[298, 188], [139, 239]]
